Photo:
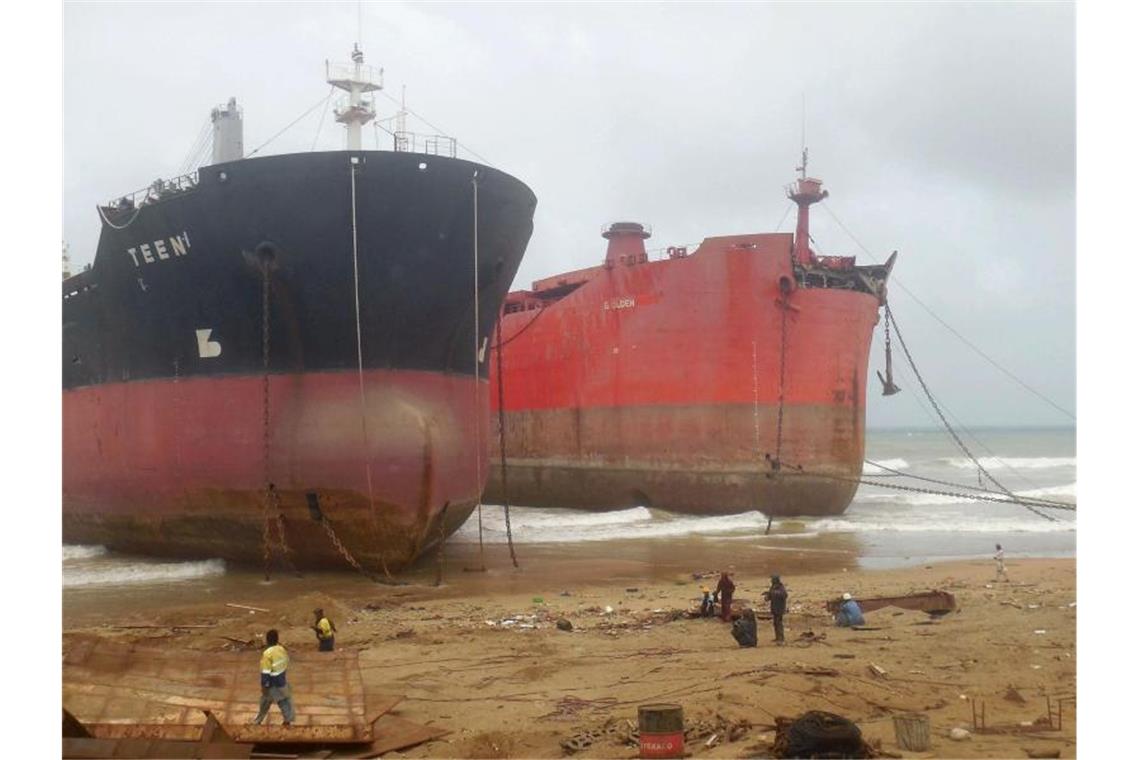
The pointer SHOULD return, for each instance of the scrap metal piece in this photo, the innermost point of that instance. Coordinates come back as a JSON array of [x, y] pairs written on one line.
[[79, 747], [932, 602], [121, 691]]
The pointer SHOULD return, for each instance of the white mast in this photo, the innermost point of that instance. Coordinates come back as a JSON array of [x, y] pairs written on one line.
[[356, 79], [227, 133]]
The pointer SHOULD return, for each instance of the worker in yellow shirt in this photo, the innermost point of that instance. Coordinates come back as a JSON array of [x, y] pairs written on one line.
[[325, 630], [274, 688]]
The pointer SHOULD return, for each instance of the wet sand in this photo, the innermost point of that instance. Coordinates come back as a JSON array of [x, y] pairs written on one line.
[[510, 690]]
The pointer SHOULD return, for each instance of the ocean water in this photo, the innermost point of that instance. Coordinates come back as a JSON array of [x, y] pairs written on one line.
[[883, 527], [888, 526]]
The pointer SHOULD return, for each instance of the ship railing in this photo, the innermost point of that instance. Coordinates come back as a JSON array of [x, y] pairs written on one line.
[[431, 145], [344, 75], [159, 190]]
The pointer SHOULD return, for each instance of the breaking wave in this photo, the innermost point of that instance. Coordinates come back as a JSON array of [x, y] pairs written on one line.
[[948, 522], [1016, 463], [557, 526], [139, 572], [82, 552]]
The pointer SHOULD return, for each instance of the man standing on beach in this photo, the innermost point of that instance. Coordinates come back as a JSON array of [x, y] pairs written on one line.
[[999, 559], [325, 631], [725, 587], [274, 688], [777, 597]]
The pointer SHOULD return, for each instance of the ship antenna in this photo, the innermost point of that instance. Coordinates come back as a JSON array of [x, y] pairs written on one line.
[[803, 133]]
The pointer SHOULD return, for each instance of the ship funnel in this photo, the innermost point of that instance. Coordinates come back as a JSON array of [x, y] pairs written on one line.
[[627, 243], [227, 133]]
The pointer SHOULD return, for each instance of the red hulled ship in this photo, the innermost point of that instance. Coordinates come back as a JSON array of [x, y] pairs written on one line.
[[721, 380]]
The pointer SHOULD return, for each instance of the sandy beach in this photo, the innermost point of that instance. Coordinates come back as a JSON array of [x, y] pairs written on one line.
[[481, 655]]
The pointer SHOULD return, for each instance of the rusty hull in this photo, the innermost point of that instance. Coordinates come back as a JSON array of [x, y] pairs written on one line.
[[692, 459]]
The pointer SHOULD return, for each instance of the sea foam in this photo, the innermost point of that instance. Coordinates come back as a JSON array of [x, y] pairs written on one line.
[[140, 572]]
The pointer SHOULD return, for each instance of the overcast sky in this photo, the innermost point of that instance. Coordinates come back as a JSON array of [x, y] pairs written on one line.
[[943, 131]]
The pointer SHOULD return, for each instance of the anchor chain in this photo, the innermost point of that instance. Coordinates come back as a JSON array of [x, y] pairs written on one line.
[[998, 499], [889, 387], [265, 533], [503, 444], [344, 552], [280, 523], [1044, 503], [272, 500], [953, 433], [775, 463]]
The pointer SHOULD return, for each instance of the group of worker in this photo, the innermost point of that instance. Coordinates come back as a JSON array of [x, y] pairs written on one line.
[[275, 662], [744, 627]]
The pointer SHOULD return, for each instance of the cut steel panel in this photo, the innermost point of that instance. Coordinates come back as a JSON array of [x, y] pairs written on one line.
[[122, 690]]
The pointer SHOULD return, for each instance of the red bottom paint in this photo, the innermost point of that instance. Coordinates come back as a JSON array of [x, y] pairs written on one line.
[[179, 468]]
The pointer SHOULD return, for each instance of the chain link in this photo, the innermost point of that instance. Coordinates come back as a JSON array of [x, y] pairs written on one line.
[[1044, 503], [503, 444], [344, 552], [266, 539], [798, 470], [953, 433], [775, 462], [280, 521]]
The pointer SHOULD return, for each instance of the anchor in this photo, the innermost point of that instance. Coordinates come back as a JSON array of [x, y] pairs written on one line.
[[889, 387]]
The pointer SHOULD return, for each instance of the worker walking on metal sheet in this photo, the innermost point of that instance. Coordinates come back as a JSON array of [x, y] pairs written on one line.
[[999, 560], [725, 587], [777, 597], [274, 687], [325, 630]]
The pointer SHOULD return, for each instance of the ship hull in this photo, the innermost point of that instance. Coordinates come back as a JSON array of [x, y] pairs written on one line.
[[693, 385], [706, 474], [303, 325], [178, 467]]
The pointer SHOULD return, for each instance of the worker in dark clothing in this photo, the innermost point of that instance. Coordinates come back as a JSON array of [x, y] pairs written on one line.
[[725, 587], [744, 628], [325, 630], [777, 597]]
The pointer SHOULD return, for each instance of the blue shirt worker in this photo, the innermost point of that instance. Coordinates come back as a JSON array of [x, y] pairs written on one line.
[[325, 630], [274, 687], [849, 613]]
